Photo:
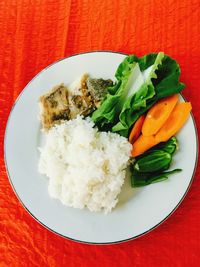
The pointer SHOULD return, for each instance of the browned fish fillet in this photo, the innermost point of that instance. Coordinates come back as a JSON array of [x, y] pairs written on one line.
[[54, 106], [80, 98], [81, 101], [98, 89]]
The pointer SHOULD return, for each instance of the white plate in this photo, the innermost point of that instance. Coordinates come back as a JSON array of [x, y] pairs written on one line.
[[139, 210]]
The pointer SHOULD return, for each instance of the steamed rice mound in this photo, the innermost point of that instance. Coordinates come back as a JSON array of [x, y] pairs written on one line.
[[86, 168]]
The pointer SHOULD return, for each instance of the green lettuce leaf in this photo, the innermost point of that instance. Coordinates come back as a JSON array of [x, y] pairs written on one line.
[[108, 113], [161, 79], [140, 83]]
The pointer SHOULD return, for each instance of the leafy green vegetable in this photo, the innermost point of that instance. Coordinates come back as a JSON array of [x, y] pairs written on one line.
[[161, 79], [141, 82], [138, 179], [107, 114]]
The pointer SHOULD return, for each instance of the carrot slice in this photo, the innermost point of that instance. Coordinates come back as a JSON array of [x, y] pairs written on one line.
[[175, 122], [142, 144], [136, 130], [158, 115]]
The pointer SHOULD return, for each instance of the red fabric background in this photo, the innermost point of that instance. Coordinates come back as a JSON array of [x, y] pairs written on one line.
[[35, 33]]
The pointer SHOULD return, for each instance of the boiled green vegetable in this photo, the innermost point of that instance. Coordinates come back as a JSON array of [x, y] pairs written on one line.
[[138, 179], [151, 166], [170, 146], [157, 160]]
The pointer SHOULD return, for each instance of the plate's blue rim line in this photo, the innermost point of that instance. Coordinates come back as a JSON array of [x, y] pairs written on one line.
[[76, 240]]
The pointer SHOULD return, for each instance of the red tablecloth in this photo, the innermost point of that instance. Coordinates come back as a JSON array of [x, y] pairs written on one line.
[[35, 33]]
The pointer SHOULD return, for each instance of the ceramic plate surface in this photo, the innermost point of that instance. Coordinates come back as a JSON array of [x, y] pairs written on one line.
[[139, 210]]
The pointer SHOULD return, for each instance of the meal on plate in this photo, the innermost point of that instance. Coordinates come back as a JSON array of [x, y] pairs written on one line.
[[97, 129]]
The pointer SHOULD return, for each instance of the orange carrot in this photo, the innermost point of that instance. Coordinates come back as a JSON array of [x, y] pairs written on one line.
[[136, 130], [158, 115], [175, 122], [142, 144]]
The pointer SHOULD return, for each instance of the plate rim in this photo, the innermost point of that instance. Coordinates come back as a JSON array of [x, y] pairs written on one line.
[[70, 238]]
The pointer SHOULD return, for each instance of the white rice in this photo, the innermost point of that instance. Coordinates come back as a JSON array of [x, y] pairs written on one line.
[[86, 168]]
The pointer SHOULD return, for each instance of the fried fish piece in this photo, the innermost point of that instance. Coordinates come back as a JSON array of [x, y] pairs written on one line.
[[82, 97], [54, 106], [98, 89]]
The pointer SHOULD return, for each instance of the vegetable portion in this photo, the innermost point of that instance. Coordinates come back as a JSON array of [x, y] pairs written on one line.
[[142, 144], [108, 112], [136, 130], [175, 122], [157, 160], [142, 105], [151, 166], [158, 114], [161, 79], [141, 82], [170, 146], [139, 179]]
